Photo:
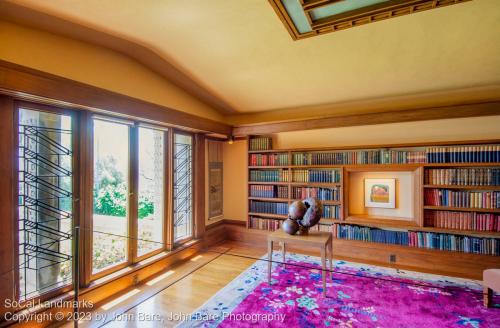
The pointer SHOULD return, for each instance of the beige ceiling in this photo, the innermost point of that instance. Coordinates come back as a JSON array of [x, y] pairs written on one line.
[[240, 51]]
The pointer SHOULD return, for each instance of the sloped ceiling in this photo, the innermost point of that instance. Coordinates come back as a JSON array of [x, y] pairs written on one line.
[[240, 53]]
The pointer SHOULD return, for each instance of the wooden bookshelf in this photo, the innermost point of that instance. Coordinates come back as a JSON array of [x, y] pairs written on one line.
[[418, 167]]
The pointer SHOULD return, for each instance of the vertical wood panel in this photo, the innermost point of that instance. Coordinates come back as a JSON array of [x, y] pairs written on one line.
[[7, 200], [199, 185], [86, 181]]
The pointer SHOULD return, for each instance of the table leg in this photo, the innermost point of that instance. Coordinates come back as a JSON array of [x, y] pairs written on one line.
[[284, 255], [331, 257], [323, 268], [269, 260]]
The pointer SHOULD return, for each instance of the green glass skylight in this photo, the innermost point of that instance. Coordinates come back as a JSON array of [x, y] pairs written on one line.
[[296, 13], [306, 18], [341, 7]]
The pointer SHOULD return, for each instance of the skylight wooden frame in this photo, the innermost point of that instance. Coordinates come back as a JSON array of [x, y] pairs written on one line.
[[361, 16]]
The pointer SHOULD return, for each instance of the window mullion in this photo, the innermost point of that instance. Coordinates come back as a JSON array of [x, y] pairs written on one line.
[[133, 194]]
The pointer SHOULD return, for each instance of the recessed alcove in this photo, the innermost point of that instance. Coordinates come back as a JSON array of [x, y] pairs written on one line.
[[408, 187]]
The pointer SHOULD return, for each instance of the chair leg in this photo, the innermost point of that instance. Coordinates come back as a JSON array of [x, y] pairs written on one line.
[[487, 296]]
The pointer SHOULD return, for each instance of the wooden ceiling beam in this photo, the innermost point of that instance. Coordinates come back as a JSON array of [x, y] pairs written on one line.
[[413, 115]]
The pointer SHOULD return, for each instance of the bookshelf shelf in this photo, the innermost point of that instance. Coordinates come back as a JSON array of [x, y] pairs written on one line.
[[269, 215], [317, 184], [462, 209], [268, 167], [284, 200], [268, 183], [463, 187], [325, 202]]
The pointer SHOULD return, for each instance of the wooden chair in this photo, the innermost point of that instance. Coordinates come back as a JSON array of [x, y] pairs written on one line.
[[491, 282]]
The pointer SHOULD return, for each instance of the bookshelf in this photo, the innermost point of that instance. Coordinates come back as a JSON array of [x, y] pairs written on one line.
[[456, 192]]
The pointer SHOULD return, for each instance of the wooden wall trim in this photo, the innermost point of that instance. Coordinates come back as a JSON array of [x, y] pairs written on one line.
[[26, 16], [8, 201], [30, 84], [199, 185], [423, 114]]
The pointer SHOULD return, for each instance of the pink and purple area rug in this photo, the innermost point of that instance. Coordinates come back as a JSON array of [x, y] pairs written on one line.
[[358, 295]]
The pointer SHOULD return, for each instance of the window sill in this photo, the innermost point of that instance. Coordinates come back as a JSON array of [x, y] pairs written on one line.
[[137, 266]]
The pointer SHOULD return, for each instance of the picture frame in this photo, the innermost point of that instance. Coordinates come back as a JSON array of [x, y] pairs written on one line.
[[380, 193]]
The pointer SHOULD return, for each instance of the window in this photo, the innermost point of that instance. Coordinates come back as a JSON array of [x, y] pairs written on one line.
[[45, 167], [129, 194], [151, 207], [110, 194], [183, 187]]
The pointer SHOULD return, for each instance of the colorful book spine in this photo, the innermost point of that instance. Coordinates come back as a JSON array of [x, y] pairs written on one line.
[[464, 154], [419, 239], [269, 207], [260, 143], [268, 159], [264, 223], [316, 175], [450, 242], [463, 176], [269, 175], [462, 220], [331, 194], [331, 212], [463, 199], [266, 191], [354, 232]]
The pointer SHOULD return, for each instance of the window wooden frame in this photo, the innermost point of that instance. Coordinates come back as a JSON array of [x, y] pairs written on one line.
[[132, 210], [75, 186], [166, 191], [90, 239], [180, 242]]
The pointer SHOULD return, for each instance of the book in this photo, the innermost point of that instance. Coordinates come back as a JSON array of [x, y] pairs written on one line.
[[462, 220], [260, 143], [268, 207], [419, 239], [332, 194], [280, 159], [463, 176], [462, 198]]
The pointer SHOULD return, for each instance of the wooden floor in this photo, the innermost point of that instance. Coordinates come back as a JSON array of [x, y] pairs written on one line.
[[176, 292]]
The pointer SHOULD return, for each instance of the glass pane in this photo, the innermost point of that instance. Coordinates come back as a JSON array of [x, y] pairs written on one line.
[[151, 190], [110, 194], [183, 187], [45, 201]]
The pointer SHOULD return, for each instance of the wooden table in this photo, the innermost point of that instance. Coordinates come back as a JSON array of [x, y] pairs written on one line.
[[320, 239]]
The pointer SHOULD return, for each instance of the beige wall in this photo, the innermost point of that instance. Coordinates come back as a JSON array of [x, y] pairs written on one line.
[[96, 66], [235, 157], [235, 180], [404, 195]]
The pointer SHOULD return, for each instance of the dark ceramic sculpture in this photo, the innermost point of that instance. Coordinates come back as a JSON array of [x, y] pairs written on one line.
[[303, 215], [290, 226], [297, 210]]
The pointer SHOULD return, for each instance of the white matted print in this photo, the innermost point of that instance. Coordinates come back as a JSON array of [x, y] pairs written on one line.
[[380, 193]]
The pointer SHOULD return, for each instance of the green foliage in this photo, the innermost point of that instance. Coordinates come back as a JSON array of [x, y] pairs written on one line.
[[110, 197]]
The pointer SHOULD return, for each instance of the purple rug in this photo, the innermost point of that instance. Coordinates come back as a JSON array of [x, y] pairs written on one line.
[[357, 296]]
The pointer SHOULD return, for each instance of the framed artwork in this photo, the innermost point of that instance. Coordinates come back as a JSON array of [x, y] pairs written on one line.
[[380, 193]]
